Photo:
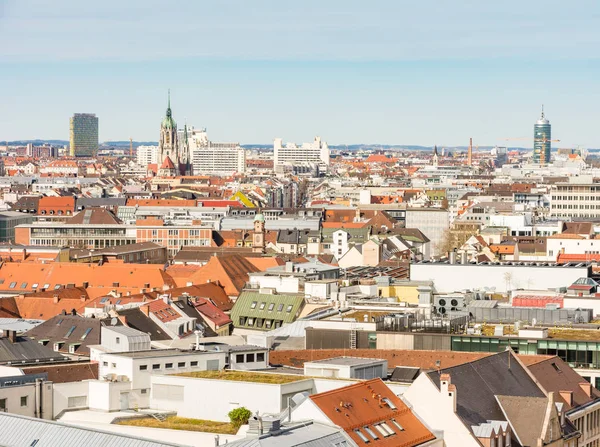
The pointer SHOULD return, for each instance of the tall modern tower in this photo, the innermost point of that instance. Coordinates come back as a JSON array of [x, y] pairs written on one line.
[[541, 140], [84, 135]]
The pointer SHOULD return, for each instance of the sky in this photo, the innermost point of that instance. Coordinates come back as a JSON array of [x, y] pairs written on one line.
[[384, 72]]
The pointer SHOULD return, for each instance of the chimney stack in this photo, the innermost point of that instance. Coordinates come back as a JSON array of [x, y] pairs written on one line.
[[55, 299], [12, 336], [470, 154]]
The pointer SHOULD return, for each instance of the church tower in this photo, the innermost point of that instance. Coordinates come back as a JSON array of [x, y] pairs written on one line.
[[434, 159], [168, 145], [258, 237]]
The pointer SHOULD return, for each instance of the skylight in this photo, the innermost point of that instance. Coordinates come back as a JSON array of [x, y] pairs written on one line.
[[362, 436], [371, 433], [70, 331], [86, 333]]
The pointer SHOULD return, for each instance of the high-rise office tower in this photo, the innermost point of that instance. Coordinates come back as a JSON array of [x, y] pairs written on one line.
[[84, 135], [542, 140]]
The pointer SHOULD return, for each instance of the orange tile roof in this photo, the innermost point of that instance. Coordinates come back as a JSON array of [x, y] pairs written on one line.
[[162, 311], [230, 271], [343, 225], [56, 204], [161, 202], [370, 403], [101, 279], [263, 264], [564, 258]]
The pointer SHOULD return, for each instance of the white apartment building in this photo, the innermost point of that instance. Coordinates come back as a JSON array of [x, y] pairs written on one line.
[[580, 197], [147, 155], [215, 158], [315, 152]]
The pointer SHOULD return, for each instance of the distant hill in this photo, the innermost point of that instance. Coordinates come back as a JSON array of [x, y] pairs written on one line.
[[36, 142]]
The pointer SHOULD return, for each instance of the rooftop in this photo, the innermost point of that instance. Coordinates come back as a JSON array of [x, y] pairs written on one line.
[[157, 353], [347, 361], [242, 376]]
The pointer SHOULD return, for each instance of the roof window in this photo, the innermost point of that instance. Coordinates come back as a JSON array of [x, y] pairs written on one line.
[[253, 305], [362, 436], [371, 433], [12, 285], [289, 308], [70, 331], [262, 306], [86, 333]]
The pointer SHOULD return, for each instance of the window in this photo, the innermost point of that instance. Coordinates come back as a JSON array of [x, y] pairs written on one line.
[[361, 435], [56, 287], [70, 331], [253, 305], [289, 308], [250, 321], [24, 285], [104, 363], [384, 429], [114, 365], [371, 433], [271, 307], [46, 286], [168, 365], [398, 426], [242, 321], [181, 365], [144, 391], [118, 340], [143, 367], [239, 358], [2, 404], [24, 401], [86, 333], [12, 285], [260, 357], [156, 366], [194, 363], [389, 403], [250, 358], [262, 305], [34, 285], [280, 308]]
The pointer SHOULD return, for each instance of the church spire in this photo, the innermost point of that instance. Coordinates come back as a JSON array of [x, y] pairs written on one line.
[[169, 103]]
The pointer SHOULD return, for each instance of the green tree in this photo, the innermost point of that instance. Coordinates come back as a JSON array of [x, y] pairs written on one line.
[[239, 416]]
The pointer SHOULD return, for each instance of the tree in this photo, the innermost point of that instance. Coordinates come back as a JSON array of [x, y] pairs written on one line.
[[239, 416], [453, 239]]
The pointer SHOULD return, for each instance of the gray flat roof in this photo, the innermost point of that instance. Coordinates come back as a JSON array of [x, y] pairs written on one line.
[[346, 361]]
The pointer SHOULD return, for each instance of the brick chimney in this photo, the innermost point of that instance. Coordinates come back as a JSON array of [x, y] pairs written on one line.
[[55, 299], [587, 388], [567, 397], [145, 310]]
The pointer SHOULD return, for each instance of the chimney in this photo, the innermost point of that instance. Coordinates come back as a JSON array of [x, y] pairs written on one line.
[[587, 388], [289, 266], [567, 396], [145, 310], [448, 390], [23, 254], [123, 319], [12, 336], [55, 299]]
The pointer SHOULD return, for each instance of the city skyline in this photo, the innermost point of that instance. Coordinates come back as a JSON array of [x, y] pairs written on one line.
[[348, 73]]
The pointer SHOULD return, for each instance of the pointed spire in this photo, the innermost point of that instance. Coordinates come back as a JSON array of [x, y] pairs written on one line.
[[169, 103], [435, 152]]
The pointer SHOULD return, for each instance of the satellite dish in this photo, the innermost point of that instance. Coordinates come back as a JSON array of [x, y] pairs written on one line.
[[113, 321], [533, 321]]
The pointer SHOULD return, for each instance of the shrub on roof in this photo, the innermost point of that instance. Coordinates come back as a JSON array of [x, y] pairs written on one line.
[[239, 416]]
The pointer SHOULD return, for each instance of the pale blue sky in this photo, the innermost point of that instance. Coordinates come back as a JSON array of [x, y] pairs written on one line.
[[390, 72]]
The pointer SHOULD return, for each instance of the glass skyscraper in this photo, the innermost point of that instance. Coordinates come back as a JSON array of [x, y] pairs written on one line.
[[542, 134], [84, 135]]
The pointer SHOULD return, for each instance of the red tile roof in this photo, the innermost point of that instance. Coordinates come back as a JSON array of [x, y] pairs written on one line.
[[162, 311], [211, 312], [369, 404]]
